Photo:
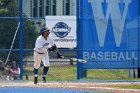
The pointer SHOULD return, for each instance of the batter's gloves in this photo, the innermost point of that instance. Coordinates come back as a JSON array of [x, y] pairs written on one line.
[[59, 55]]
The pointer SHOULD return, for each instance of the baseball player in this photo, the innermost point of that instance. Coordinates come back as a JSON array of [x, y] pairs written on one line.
[[43, 42]]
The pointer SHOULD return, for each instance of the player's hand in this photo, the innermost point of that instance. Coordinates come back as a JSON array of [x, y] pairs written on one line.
[[62, 56], [59, 55]]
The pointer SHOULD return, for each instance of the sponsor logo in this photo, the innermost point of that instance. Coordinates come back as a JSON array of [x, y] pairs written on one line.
[[61, 29]]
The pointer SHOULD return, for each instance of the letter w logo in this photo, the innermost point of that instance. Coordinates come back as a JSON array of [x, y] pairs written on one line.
[[113, 11]]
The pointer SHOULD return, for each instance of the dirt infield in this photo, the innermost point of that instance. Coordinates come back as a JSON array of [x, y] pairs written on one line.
[[105, 87]]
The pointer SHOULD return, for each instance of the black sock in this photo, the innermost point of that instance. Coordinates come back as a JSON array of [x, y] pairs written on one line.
[[45, 71], [35, 72]]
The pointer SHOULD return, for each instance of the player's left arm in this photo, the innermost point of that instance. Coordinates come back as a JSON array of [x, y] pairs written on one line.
[[55, 49]]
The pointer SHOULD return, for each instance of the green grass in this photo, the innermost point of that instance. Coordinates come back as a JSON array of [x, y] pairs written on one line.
[[57, 73], [133, 86], [130, 86], [108, 74], [65, 73], [68, 73]]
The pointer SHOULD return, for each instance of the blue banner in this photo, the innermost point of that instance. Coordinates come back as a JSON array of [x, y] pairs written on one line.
[[109, 34]]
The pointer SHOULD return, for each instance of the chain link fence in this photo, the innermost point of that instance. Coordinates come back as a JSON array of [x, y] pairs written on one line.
[[9, 19], [34, 12]]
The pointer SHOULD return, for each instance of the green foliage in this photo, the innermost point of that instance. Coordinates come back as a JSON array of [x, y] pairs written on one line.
[[4, 3], [9, 26], [29, 34]]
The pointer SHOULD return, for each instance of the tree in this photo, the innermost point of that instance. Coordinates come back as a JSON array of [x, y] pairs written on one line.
[[4, 3], [8, 27]]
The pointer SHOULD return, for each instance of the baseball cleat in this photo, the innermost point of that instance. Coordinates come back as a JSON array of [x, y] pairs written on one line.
[[44, 79], [35, 80]]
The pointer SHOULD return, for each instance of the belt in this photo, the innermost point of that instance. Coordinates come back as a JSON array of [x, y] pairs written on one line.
[[38, 52]]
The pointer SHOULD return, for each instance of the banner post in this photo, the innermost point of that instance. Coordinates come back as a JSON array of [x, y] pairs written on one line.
[[21, 40]]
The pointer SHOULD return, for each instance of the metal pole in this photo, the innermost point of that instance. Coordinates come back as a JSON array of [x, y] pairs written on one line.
[[134, 74], [78, 38], [21, 40], [138, 38]]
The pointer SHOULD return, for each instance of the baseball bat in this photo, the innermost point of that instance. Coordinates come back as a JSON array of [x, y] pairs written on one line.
[[74, 59]]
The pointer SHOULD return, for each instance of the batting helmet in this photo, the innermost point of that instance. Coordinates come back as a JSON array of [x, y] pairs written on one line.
[[43, 29]]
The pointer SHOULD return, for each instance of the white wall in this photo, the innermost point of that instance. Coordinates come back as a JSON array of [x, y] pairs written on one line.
[[73, 7], [59, 7], [26, 7]]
